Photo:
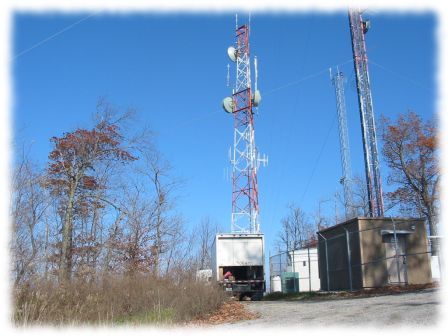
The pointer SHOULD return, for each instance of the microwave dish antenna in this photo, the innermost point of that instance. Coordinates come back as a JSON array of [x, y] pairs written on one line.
[[232, 53]]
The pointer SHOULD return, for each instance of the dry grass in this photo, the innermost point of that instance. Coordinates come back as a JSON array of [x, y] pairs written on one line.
[[115, 300]]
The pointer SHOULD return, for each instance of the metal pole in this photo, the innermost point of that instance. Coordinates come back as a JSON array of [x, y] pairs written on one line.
[[270, 272], [349, 258], [396, 252], [326, 264], [294, 270], [280, 264], [405, 267], [434, 240], [326, 261], [441, 269], [309, 269]]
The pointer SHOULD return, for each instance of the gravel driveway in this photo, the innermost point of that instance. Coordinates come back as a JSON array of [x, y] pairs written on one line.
[[417, 308]]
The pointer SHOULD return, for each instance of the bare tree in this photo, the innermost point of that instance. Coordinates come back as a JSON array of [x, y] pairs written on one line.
[[177, 254], [360, 196], [28, 205], [296, 229], [205, 233], [138, 231], [166, 224], [320, 220]]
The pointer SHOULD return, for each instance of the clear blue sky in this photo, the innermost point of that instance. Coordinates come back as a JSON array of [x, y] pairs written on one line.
[[172, 68]]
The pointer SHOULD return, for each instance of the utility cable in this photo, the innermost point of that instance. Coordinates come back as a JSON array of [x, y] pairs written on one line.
[[45, 40], [303, 79], [316, 163], [409, 79], [297, 102]]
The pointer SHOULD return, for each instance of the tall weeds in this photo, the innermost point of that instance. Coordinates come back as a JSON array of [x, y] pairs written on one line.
[[115, 300]]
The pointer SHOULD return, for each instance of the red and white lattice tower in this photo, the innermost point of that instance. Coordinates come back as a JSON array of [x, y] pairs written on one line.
[[244, 157]]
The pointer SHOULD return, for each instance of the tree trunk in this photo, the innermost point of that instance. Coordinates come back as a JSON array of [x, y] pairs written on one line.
[[432, 230], [46, 249], [157, 250], [67, 238]]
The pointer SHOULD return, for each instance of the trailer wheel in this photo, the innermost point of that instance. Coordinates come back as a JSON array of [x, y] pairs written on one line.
[[257, 296], [245, 297]]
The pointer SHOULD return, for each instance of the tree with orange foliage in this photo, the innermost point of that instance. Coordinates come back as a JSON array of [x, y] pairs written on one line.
[[410, 150], [70, 175]]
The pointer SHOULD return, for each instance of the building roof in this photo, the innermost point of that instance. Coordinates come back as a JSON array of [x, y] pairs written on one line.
[[396, 219]]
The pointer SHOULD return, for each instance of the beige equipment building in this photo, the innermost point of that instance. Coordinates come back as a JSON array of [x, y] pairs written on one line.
[[380, 252]]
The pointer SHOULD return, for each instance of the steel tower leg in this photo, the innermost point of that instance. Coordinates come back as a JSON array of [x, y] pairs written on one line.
[[358, 28]]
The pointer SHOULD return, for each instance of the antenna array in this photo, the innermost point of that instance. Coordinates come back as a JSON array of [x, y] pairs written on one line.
[[244, 158]]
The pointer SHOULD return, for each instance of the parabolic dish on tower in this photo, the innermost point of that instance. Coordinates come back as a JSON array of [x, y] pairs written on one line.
[[233, 53], [227, 104], [256, 98]]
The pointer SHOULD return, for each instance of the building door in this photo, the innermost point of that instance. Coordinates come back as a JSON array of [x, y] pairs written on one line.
[[396, 260]]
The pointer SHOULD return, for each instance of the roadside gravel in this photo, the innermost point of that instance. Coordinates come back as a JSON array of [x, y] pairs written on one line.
[[406, 309]]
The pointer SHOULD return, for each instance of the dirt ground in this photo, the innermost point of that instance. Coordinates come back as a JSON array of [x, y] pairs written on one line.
[[419, 308]]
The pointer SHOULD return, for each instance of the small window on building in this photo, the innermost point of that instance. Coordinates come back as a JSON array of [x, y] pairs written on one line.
[[304, 263]]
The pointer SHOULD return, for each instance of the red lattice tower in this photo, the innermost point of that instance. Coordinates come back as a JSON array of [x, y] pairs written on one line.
[[244, 157]]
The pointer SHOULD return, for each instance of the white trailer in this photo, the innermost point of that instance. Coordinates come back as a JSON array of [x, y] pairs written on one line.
[[242, 255]]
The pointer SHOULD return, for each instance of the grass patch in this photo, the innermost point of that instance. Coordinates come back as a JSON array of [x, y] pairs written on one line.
[[156, 316]]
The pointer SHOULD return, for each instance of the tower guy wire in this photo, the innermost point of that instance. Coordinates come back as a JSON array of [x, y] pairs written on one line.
[[45, 40], [304, 79], [316, 163]]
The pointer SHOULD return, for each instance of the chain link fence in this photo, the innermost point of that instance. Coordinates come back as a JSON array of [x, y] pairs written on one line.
[[395, 252], [295, 271]]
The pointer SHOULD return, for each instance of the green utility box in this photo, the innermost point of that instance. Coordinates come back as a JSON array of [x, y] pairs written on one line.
[[290, 282]]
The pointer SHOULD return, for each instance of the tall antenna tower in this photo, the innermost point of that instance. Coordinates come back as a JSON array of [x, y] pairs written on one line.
[[338, 83], [358, 29], [244, 156]]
